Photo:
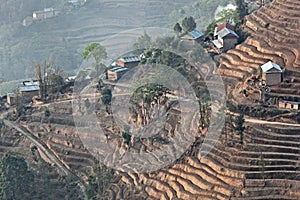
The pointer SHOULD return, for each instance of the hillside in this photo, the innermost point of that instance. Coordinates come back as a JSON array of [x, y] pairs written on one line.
[[62, 38], [273, 35]]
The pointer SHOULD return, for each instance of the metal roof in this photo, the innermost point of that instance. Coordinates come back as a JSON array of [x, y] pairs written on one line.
[[270, 65], [225, 31], [128, 59], [217, 44], [118, 69], [29, 88], [196, 34]]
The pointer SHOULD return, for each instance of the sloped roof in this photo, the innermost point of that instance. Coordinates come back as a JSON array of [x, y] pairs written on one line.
[[118, 69], [217, 44], [225, 25], [270, 65], [225, 31], [196, 34], [29, 88], [128, 59]]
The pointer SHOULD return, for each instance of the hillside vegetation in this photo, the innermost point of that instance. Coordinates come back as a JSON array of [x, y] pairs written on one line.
[[62, 38]]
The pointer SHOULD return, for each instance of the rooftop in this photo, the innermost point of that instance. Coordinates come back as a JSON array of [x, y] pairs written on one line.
[[29, 88], [118, 69], [270, 65], [226, 31], [225, 25], [128, 59], [196, 34]]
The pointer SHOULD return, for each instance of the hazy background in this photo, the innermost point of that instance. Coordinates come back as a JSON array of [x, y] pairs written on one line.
[[61, 39]]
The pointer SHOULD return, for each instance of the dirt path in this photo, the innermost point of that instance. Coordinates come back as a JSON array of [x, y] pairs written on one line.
[[47, 152]]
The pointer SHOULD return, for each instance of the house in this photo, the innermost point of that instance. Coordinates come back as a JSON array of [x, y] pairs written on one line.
[[225, 37], [289, 105], [194, 36], [28, 92], [116, 72], [11, 98], [43, 14], [129, 61], [271, 73]]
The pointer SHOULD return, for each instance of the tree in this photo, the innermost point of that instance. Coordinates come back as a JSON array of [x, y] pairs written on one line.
[[106, 97], [98, 52], [177, 28], [188, 24], [229, 15], [15, 178], [142, 43], [49, 77], [239, 126]]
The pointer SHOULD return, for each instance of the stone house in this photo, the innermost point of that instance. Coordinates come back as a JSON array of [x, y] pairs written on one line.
[[225, 37], [271, 73]]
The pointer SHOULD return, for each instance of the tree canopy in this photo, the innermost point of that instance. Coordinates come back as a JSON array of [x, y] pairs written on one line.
[[15, 178], [188, 24], [177, 28], [96, 51]]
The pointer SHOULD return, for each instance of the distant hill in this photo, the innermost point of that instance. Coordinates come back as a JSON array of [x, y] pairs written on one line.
[[62, 38]]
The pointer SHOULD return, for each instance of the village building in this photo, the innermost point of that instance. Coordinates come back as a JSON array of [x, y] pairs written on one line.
[[116, 73], [28, 92], [289, 105], [271, 73], [225, 37], [193, 36], [129, 61], [43, 14]]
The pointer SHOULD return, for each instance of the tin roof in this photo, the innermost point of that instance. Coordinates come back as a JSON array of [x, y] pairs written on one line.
[[196, 34], [118, 69], [270, 65], [226, 31], [29, 88], [129, 59], [217, 44]]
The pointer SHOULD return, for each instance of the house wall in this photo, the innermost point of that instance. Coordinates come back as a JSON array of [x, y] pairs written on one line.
[[10, 100], [112, 75], [229, 43], [287, 105], [27, 96], [273, 78]]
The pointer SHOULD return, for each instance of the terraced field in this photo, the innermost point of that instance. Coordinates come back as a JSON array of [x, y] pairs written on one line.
[[265, 167], [274, 35]]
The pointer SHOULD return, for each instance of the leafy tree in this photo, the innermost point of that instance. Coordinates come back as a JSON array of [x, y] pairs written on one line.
[[188, 24], [242, 9], [177, 28], [210, 29], [15, 178], [229, 15], [239, 126], [126, 135], [98, 52], [142, 43], [106, 98]]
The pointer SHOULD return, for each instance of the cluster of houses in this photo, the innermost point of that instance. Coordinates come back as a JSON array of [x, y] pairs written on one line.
[[29, 91], [224, 39], [122, 66]]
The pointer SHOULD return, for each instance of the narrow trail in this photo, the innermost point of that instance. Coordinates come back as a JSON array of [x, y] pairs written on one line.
[[46, 151]]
